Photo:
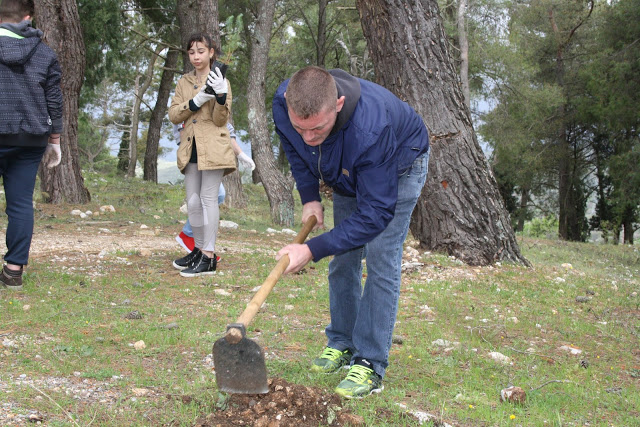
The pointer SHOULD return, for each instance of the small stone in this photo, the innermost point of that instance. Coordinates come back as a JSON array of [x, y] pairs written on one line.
[[139, 345], [397, 339], [513, 395], [499, 357], [572, 350], [140, 391], [135, 315], [145, 253], [228, 224], [440, 343]]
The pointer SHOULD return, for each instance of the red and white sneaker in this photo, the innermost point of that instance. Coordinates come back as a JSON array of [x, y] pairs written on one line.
[[188, 243]]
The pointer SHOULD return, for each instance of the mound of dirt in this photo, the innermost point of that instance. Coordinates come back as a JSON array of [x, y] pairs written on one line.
[[284, 405]]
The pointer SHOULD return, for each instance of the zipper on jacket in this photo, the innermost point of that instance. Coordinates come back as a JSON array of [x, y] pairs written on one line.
[[320, 158]]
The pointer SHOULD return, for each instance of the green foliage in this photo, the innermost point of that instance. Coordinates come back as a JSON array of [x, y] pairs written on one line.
[[102, 22], [545, 227]]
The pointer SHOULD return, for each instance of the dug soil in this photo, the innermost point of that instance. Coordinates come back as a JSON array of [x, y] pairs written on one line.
[[284, 405]]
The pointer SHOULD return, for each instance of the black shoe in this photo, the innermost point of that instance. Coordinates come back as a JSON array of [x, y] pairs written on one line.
[[203, 266], [11, 279], [187, 260]]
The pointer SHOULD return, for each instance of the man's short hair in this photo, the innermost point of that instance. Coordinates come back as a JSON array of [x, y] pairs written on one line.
[[16, 10], [311, 91]]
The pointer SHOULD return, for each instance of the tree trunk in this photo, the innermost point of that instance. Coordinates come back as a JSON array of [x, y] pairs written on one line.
[[196, 16], [135, 116], [522, 212], [235, 198], [570, 212], [321, 48], [460, 210], [628, 218], [464, 52], [157, 117], [123, 150], [59, 21], [277, 187]]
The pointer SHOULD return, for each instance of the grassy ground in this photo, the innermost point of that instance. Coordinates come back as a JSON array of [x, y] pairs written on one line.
[[68, 349]]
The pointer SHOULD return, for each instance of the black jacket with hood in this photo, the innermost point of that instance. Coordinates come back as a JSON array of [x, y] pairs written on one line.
[[30, 94]]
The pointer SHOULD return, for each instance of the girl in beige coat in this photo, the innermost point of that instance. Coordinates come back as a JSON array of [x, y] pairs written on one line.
[[205, 154]]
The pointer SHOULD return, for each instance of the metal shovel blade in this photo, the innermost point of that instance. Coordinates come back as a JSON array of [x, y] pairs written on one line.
[[240, 368]]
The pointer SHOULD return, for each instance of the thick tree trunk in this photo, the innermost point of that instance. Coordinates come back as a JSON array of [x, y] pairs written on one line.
[[235, 197], [196, 16], [157, 117], [276, 185], [59, 21], [460, 211]]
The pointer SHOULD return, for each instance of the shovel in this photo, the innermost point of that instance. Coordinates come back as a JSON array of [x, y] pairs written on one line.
[[239, 361]]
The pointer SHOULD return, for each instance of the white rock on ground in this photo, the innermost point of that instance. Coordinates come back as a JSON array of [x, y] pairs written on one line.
[[228, 224]]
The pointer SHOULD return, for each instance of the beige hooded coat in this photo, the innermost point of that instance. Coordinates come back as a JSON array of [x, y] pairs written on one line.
[[208, 125]]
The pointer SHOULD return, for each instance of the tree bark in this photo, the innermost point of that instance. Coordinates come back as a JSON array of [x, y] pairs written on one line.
[[157, 117], [277, 186], [235, 197], [135, 115], [460, 210], [59, 21], [464, 52], [196, 16], [321, 48]]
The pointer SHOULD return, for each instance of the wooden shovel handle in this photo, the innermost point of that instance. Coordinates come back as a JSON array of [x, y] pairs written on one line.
[[234, 335]]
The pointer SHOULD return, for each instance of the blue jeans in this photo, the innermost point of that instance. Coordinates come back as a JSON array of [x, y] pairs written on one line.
[[18, 168], [362, 319], [186, 228]]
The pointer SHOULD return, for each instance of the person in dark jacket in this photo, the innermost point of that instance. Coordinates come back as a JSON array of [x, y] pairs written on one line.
[[372, 149], [30, 126]]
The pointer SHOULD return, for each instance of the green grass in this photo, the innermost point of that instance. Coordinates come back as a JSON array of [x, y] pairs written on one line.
[[70, 325]]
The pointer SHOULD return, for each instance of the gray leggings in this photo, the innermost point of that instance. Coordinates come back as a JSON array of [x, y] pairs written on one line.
[[202, 204]]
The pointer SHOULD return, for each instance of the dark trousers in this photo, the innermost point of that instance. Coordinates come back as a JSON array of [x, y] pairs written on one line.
[[18, 169]]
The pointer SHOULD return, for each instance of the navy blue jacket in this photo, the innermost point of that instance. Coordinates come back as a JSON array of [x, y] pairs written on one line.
[[30, 94], [376, 138]]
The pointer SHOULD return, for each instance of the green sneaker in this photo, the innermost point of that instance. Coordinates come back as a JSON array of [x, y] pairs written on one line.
[[331, 360], [360, 382]]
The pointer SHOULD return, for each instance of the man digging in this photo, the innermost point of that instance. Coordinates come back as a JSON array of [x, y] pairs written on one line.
[[372, 149]]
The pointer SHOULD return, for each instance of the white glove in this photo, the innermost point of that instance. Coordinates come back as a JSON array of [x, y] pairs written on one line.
[[52, 155], [217, 82], [246, 161], [202, 97]]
